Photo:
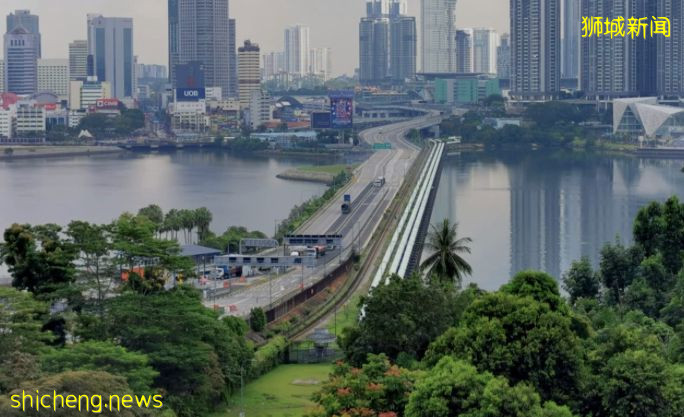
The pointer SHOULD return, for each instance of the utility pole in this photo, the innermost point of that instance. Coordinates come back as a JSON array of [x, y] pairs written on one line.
[[242, 391], [270, 287]]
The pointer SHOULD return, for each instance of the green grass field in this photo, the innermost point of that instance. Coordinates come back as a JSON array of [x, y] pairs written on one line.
[[327, 169], [284, 392], [347, 316]]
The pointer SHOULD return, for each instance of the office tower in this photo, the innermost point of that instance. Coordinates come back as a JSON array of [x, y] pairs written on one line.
[[464, 50], [297, 50], [110, 42], [647, 51], [274, 64], [78, 60], [608, 64], [387, 43], [438, 27], [199, 31], [503, 58], [571, 38], [53, 76], [30, 22], [485, 42], [21, 61], [535, 49], [2, 76], [374, 39], [403, 47], [670, 51], [320, 63], [249, 73], [232, 60]]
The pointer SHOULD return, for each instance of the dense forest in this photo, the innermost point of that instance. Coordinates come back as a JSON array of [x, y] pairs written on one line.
[[71, 324], [613, 346]]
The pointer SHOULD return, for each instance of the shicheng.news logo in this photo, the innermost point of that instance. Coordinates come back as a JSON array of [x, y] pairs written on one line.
[[95, 404]]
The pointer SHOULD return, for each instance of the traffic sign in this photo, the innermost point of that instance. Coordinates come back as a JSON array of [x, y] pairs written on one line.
[[377, 146]]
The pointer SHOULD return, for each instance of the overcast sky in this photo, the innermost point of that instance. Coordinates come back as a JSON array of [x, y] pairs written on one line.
[[334, 23]]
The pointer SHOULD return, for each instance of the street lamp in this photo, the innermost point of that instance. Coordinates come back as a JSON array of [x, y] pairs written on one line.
[[242, 386]]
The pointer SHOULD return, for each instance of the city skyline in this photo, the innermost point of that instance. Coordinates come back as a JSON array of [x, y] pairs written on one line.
[[60, 25]]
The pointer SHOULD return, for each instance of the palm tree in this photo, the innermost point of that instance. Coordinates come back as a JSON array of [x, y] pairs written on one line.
[[445, 262], [203, 219]]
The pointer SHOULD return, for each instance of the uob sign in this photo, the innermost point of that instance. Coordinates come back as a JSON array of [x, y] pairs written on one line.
[[190, 94]]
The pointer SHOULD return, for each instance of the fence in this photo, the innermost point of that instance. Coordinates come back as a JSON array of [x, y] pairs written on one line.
[[288, 304]]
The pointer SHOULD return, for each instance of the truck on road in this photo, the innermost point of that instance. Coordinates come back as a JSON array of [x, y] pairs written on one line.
[[346, 204], [379, 182]]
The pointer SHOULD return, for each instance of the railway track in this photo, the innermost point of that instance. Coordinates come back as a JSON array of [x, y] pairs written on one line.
[[378, 242]]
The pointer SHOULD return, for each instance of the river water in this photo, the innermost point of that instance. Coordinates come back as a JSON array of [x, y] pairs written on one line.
[[538, 210], [238, 191], [542, 210]]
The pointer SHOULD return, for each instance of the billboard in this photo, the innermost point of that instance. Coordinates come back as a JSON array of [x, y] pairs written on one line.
[[189, 75], [190, 94], [320, 120], [342, 109], [107, 104]]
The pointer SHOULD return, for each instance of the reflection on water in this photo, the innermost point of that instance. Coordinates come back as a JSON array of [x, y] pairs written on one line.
[[542, 210], [238, 191]]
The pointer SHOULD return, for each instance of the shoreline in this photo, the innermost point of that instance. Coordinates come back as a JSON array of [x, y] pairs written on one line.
[[295, 174], [30, 152]]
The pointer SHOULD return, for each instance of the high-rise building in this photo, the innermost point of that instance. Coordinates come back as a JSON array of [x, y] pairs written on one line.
[[30, 22], [403, 47], [670, 50], [485, 42], [297, 50], [535, 49], [387, 43], [21, 61], [608, 64], [199, 31], [78, 60], [320, 63], [374, 39], [53, 76], [249, 73], [503, 58], [570, 46], [464, 50], [151, 71], [232, 59], [110, 42], [438, 27], [2, 76], [274, 64], [647, 52]]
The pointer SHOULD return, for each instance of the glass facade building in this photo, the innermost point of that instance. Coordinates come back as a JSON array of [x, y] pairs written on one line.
[[110, 42]]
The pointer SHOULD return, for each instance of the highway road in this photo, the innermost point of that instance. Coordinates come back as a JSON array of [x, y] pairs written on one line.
[[368, 205]]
